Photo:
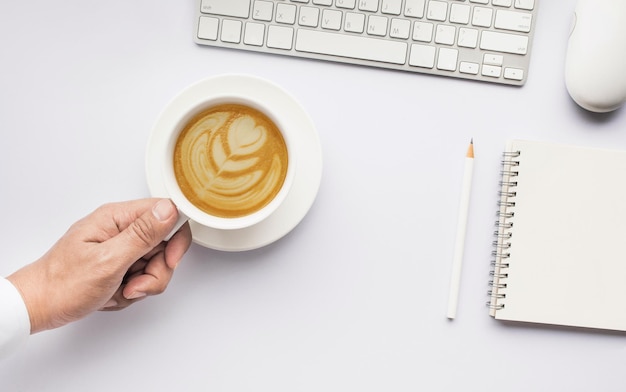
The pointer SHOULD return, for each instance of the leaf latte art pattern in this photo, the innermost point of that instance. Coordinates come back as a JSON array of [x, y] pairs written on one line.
[[230, 160]]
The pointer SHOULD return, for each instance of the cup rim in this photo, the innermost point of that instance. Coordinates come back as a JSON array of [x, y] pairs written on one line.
[[189, 209]]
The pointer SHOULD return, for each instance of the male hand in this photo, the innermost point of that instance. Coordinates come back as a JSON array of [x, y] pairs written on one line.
[[108, 260]]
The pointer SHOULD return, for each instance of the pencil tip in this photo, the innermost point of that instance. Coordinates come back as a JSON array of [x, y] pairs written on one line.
[[470, 149]]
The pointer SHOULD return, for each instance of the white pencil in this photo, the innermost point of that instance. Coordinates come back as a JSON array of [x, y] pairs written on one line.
[[457, 261]]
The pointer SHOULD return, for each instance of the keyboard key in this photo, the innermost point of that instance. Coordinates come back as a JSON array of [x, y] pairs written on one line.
[[437, 10], [525, 4], [502, 3], [468, 67], [231, 31], [423, 31], [460, 13], [503, 42], [512, 20], [279, 37], [514, 73], [262, 10], [482, 17], [414, 8], [355, 23], [493, 59], [254, 34], [377, 25], [447, 59], [445, 34], [309, 16], [492, 71], [349, 4], [368, 5], [235, 8], [468, 38], [286, 13], [331, 19], [400, 28], [207, 28], [392, 7], [422, 56], [351, 46]]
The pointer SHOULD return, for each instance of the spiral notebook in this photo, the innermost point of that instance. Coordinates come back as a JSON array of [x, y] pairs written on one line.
[[560, 243]]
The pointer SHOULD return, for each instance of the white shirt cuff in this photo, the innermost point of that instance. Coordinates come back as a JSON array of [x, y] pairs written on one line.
[[14, 319]]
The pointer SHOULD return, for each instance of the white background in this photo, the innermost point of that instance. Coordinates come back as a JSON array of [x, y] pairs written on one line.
[[354, 298]]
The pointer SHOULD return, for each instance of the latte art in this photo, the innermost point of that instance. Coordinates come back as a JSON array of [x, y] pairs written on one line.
[[230, 160]]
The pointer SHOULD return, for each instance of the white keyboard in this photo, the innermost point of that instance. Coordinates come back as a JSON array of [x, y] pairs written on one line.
[[488, 40]]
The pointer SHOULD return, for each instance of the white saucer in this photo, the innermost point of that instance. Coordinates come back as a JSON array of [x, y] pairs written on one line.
[[308, 155]]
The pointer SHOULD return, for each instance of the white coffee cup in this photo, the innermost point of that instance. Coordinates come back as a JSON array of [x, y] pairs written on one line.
[[189, 211]]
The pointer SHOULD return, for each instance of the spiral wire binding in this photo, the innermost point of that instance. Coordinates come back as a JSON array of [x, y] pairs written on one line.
[[503, 234]]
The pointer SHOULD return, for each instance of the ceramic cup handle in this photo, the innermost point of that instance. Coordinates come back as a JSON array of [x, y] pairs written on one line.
[[182, 218]]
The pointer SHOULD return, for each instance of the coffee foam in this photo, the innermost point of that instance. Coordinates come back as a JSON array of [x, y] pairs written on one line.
[[230, 160]]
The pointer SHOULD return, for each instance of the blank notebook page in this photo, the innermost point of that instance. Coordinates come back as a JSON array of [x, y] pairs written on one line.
[[566, 263]]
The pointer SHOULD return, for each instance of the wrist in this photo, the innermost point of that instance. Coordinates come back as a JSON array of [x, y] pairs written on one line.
[[24, 284]]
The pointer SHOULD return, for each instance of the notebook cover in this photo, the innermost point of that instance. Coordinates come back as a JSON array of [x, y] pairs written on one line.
[[566, 260]]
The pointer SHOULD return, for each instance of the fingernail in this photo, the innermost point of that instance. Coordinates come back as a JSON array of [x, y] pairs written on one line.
[[136, 294], [163, 210]]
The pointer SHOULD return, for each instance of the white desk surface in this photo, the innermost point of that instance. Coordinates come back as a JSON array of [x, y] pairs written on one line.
[[354, 299]]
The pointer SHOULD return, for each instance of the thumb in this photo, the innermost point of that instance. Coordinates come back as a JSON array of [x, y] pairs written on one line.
[[146, 232]]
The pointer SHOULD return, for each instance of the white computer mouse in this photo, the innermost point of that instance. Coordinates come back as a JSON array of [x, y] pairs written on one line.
[[595, 65]]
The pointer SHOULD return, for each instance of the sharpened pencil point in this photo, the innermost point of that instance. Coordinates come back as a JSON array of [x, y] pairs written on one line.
[[470, 149]]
